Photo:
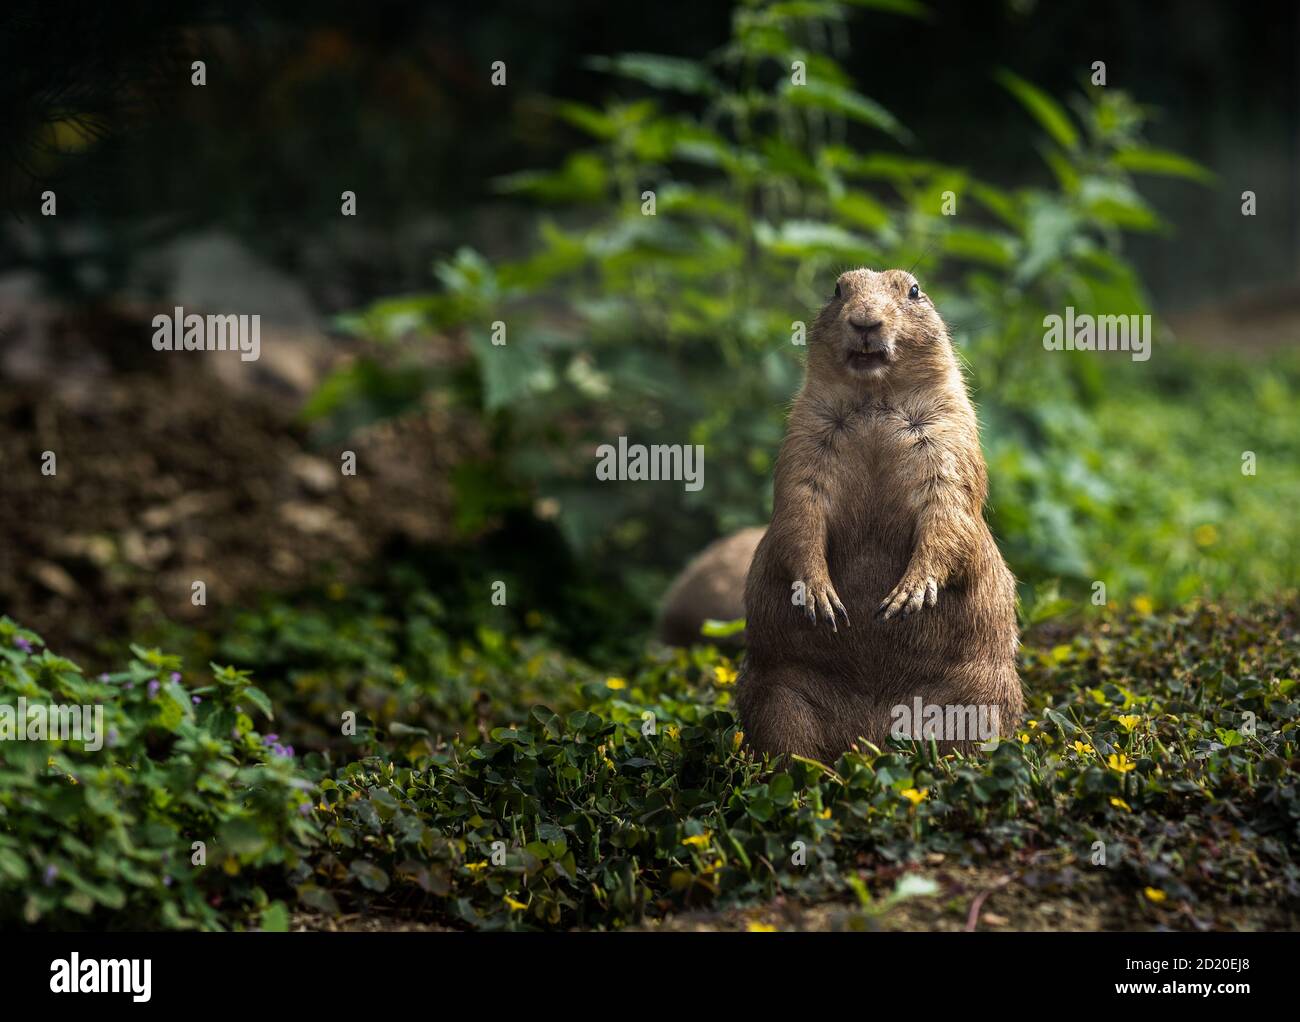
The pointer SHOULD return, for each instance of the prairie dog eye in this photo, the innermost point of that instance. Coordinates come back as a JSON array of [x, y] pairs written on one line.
[[914, 292], [838, 292]]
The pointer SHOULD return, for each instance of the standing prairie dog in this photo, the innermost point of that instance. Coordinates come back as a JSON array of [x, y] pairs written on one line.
[[877, 592]]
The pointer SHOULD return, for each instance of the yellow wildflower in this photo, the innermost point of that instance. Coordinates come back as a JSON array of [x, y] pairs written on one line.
[[724, 674], [518, 906], [754, 926], [615, 683], [1120, 762], [1155, 894], [1128, 721], [1143, 605], [698, 840], [914, 796], [1119, 803]]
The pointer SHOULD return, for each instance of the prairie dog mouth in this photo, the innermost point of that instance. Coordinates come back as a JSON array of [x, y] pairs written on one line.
[[862, 361]]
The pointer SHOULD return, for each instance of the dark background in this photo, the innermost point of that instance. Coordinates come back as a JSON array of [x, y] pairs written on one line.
[[393, 100]]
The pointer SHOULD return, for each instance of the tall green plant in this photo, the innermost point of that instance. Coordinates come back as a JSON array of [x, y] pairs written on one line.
[[664, 302]]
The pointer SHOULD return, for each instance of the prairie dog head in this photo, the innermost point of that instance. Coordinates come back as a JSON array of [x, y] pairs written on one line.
[[878, 329]]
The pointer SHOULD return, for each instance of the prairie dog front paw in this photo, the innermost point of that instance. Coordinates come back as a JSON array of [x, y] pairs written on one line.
[[916, 589], [813, 591]]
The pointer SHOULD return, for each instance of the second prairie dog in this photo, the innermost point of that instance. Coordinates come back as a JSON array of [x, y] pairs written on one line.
[[711, 586], [878, 520]]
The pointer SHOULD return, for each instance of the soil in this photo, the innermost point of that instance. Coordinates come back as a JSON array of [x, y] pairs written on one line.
[[968, 899], [165, 474]]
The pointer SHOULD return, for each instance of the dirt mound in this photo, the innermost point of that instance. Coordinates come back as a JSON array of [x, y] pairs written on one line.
[[164, 475]]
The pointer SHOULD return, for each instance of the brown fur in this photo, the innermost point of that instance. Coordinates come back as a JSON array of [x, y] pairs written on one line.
[[711, 586], [878, 510]]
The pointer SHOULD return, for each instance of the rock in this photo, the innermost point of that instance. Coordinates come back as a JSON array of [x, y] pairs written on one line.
[[185, 506], [53, 578], [214, 274], [35, 349], [316, 474]]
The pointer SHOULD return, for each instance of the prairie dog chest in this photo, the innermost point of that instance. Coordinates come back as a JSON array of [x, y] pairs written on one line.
[[878, 456]]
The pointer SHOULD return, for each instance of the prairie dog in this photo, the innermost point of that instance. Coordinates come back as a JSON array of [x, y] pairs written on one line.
[[878, 585], [711, 586]]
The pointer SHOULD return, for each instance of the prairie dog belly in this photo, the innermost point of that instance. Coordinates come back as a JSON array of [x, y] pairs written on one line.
[[878, 497]]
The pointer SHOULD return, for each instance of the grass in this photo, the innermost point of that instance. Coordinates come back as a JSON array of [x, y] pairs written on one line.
[[506, 785]]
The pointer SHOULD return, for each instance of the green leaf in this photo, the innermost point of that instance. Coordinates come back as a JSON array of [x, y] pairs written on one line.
[[674, 73], [242, 837], [318, 898], [1145, 160], [980, 246], [844, 101], [1044, 109], [806, 237], [259, 699], [594, 122], [715, 629], [862, 210], [583, 177], [1114, 202], [370, 876], [781, 789], [762, 809], [275, 918], [511, 371]]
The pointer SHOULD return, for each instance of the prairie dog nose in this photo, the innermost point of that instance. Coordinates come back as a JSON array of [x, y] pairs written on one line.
[[864, 322]]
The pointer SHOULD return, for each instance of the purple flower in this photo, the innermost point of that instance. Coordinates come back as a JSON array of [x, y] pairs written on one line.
[[167, 881], [154, 686], [175, 678], [112, 736], [271, 740], [51, 872], [304, 808], [129, 685], [23, 644], [104, 676], [195, 700]]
